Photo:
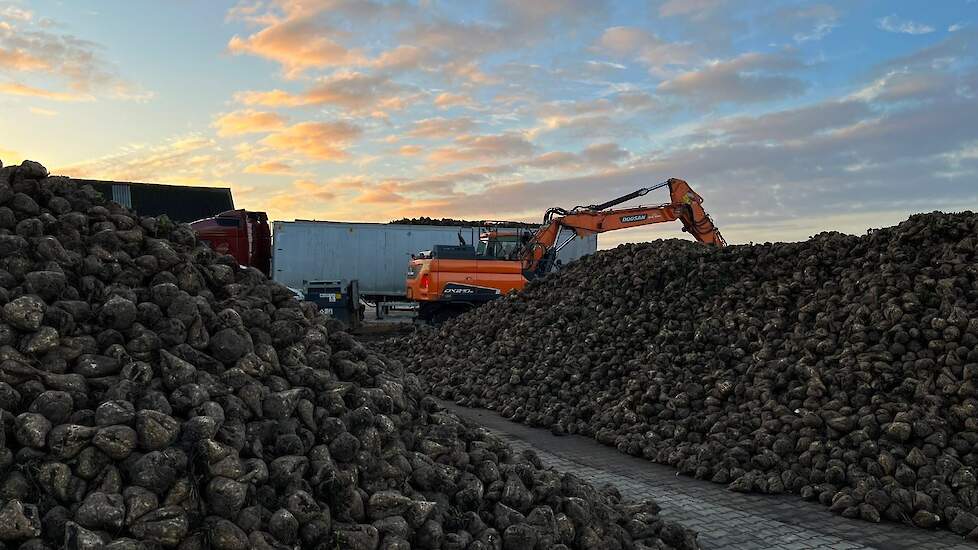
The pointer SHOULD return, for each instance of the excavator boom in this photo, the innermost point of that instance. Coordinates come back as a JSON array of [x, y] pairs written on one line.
[[686, 206]]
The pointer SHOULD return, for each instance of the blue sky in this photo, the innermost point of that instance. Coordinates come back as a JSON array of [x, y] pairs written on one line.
[[788, 117]]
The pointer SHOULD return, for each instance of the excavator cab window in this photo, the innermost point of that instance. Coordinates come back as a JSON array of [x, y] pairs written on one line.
[[500, 247]]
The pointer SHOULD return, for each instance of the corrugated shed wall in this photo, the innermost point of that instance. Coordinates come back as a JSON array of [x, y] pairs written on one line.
[[180, 203]]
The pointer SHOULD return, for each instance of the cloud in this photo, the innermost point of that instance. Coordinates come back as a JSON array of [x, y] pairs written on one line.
[[42, 112], [788, 125], [315, 140], [445, 100], [904, 84], [595, 156], [846, 163], [603, 153], [18, 89], [956, 27], [554, 159], [483, 147], [441, 127], [614, 116], [297, 42], [269, 168], [285, 203], [660, 56], [303, 35], [352, 91], [247, 121], [20, 60], [938, 56], [805, 23], [748, 78], [384, 192], [451, 40], [409, 150], [31, 49], [315, 190], [541, 13], [892, 23], [16, 13], [402, 57], [689, 8], [191, 160]]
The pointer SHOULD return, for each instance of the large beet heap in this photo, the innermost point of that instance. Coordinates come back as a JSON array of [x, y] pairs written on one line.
[[154, 394], [842, 368]]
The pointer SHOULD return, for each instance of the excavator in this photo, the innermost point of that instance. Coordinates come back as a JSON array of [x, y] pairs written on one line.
[[451, 279]]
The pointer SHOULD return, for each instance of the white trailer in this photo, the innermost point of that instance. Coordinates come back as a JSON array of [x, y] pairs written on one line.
[[376, 254]]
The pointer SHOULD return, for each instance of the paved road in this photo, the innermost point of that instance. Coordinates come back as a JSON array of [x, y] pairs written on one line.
[[724, 519]]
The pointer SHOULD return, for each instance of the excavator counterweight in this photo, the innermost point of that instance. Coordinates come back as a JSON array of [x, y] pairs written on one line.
[[453, 279]]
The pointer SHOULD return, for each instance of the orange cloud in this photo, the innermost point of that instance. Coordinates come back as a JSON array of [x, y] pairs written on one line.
[[348, 183], [445, 100], [309, 188], [31, 47], [271, 98], [400, 58], [409, 150], [385, 192], [297, 43], [191, 160], [15, 88], [19, 60], [350, 90], [469, 71], [270, 167], [315, 140], [42, 112], [441, 127], [247, 121], [283, 202]]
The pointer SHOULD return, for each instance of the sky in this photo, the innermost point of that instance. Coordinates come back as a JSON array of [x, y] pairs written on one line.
[[788, 117]]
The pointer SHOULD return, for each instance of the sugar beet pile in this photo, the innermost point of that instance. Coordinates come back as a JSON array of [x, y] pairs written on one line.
[[841, 368], [155, 394]]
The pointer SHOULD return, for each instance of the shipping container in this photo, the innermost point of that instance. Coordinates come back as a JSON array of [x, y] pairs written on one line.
[[376, 254]]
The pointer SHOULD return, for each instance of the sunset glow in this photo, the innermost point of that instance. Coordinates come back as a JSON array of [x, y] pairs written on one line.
[[788, 117]]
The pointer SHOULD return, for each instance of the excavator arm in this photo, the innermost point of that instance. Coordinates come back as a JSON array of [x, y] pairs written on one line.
[[686, 206]]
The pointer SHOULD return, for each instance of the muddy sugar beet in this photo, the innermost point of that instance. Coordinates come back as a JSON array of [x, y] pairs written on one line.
[[155, 394], [842, 369]]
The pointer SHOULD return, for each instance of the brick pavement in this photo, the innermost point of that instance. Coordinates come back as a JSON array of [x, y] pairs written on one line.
[[724, 519]]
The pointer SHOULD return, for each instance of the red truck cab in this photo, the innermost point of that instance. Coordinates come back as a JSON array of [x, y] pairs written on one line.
[[242, 234]]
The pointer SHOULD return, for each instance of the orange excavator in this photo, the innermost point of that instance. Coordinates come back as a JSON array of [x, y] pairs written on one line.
[[450, 279]]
